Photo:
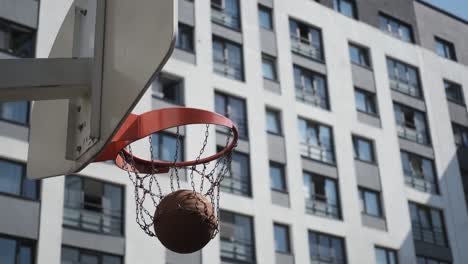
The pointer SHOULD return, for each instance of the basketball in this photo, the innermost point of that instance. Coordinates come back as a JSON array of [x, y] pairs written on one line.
[[184, 221]]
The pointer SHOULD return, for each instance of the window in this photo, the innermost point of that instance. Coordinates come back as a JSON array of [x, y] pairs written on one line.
[[316, 141], [325, 248], [93, 205], [16, 112], [427, 260], [427, 224], [363, 149], [237, 238], [396, 28], [273, 122], [13, 180], [282, 242], [237, 180], [169, 88], [269, 68], [385, 256], [419, 172], [277, 177], [16, 250], [265, 17], [227, 59], [359, 55], [234, 109], [74, 255], [365, 102], [17, 40], [370, 203], [184, 39], [445, 49], [411, 124], [311, 87], [306, 40], [454, 92], [346, 7], [226, 13], [404, 78], [460, 133], [321, 196], [167, 147]]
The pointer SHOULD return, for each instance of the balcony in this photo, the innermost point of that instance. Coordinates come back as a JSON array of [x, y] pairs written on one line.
[[322, 206], [311, 97], [416, 181], [317, 153], [306, 48], [412, 134], [431, 235], [231, 71], [224, 17], [237, 251], [403, 86]]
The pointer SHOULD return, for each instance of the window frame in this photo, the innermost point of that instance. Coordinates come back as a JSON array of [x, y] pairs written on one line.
[[222, 8], [387, 251], [269, 11], [363, 200], [98, 254], [20, 241], [396, 63], [162, 77], [278, 120], [429, 210], [373, 156], [315, 179], [364, 52], [447, 47], [25, 28], [427, 259], [227, 98], [271, 61], [224, 44], [412, 155], [405, 110], [330, 239], [185, 28], [11, 121], [222, 239], [282, 170], [247, 180], [337, 7], [23, 177], [162, 134], [368, 97], [300, 87], [297, 37], [311, 124], [464, 131], [400, 23], [459, 91], [288, 243]]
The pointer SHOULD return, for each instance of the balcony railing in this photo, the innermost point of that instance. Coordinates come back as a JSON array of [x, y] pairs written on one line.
[[326, 260], [403, 86], [416, 181], [107, 221], [317, 153], [322, 206], [237, 250], [306, 48], [412, 134], [311, 97], [239, 122], [224, 68], [434, 235], [236, 185], [224, 17]]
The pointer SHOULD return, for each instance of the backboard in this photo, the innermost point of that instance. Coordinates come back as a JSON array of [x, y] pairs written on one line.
[[138, 37]]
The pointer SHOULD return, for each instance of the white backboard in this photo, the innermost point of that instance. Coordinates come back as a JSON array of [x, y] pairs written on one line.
[[139, 38]]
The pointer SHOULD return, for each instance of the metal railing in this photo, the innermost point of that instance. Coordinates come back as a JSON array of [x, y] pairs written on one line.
[[107, 221], [433, 235], [404, 86], [412, 134], [224, 68], [317, 153], [306, 48], [322, 206], [236, 185], [418, 182], [224, 17], [237, 250], [311, 97], [318, 259]]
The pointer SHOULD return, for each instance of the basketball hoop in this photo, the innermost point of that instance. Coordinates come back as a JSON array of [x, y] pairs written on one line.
[[183, 220]]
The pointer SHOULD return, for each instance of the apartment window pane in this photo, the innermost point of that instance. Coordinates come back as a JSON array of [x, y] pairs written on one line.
[[17, 112], [427, 224], [237, 180], [454, 92], [273, 122], [234, 109], [316, 141], [427, 260], [281, 233], [185, 38], [311, 87], [265, 17], [385, 256], [306, 40], [16, 40], [419, 172], [167, 147], [359, 55], [237, 238], [13, 180], [370, 202], [325, 248], [404, 78], [75, 255], [277, 177], [411, 124], [460, 133], [226, 13], [445, 49], [16, 251], [363, 149], [227, 59], [346, 7], [269, 67], [7, 251], [169, 88], [365, 102], [321, 196], [395, 28]]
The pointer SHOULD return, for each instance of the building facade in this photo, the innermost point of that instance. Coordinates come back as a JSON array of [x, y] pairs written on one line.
[[353, 139]]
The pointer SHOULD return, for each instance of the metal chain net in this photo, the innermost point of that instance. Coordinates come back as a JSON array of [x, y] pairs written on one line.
[[148, 189]]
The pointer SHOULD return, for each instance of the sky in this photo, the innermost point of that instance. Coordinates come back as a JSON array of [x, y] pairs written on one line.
[[456, 7]]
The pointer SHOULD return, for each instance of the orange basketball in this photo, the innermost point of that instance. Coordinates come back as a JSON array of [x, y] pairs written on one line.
[[184, 221]]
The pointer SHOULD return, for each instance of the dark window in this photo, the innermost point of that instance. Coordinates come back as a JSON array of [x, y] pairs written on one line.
[[16, 112], [93, 205], [185, 38], [273, 122], [404, 78], [167, 146], [75, 255], [445, 49], [13, 180], [359, 55], [370, 203], [311, 87], [237, 180], [169, 88], [277, 177], [460, 133], [365, 102], [234, 109], [237, 238], [227, 59], [306, 40], [427, 224], [411, 124], [17, 40], [269, 67], [321, 196], [454, 92], [346, 7], [282, 240], [385, 256], [363, 149], [427, 260], [316, 141], [265, 17], [16, 250], [226, 13], [325, 248], [396, 28], [419, 172]]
